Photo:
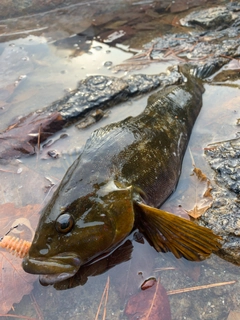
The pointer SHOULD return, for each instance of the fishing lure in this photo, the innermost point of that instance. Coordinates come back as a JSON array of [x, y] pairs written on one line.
[[16, 246]]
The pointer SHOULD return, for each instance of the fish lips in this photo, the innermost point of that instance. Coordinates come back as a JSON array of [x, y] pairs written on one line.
[[54, 269]]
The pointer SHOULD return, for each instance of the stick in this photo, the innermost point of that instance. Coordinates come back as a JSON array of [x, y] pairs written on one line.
[[206, 286]]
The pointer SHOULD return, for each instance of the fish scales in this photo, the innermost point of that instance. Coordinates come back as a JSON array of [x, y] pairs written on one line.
[[125, 171]]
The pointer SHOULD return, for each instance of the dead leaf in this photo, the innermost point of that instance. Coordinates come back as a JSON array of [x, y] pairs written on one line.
[[202, 198], [19, 184], [234, 315], [9, 214], [22, 137], [14, 282], [127, 277], [150, 304]]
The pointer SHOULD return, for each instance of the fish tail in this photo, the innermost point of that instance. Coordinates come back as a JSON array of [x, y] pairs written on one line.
[[168, 232]]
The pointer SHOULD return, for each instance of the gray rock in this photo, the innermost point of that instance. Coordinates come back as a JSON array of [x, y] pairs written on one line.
[[208, 18], [224, 215], [102, 92]]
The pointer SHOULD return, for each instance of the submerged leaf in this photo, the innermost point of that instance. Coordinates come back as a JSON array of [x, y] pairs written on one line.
[[14, 282], [203, 198], [23, 137], [26, 217], [150, 304], [234, 315]]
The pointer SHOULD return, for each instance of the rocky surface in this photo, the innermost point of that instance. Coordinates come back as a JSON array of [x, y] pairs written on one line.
[[209, 18], [224, 215], [206, 49], [102, 92]]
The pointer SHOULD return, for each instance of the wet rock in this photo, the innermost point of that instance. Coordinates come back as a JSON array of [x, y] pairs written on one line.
[[91, 118], [208, 50], [229, 72], [208, 18], [53, 154], [224, 215], [102, 92], [225, 160]]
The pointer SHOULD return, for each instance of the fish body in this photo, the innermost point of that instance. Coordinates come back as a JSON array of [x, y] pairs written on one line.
[[125, 171]]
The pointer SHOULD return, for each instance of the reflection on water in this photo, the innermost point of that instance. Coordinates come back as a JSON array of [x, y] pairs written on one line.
[[40, 59]]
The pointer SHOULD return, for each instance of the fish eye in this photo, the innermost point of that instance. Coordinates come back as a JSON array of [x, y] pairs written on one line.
[[64, 223]]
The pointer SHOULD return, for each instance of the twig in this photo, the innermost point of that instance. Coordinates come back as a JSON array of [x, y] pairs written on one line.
[[106, 299], [228, 57], [220, 142], [105, 293], [164, 269], [36, 306], [16, 316], [207, 286], [153, 301], [39, 136]]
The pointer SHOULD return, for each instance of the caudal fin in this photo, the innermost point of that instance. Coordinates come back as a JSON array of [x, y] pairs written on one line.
[[168, 232]]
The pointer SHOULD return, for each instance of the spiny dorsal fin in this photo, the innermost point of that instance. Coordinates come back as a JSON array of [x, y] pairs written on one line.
[[168, 232]]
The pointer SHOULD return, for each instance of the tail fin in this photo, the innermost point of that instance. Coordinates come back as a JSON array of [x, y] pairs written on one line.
[[168, 232]]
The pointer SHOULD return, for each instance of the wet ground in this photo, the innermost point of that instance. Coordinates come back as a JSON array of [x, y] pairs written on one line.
[[42, 58]]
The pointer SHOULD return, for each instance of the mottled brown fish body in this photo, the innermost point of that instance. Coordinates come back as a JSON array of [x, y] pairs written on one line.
[[125, 168]]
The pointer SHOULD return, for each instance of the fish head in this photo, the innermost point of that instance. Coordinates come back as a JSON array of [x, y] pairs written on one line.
[[90, 226]]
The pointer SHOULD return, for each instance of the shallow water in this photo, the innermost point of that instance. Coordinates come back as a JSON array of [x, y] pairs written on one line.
[[38, 67]]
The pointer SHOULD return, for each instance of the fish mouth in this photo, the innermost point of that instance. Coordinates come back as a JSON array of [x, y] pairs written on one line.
[[54, 269]]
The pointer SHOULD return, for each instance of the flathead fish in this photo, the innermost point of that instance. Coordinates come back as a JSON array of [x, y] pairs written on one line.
[[124, 173]]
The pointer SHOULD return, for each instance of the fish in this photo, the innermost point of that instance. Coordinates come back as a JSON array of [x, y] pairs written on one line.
[[124, 173]]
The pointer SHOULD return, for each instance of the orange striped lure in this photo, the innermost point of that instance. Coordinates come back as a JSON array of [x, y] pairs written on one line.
[[16, 246]]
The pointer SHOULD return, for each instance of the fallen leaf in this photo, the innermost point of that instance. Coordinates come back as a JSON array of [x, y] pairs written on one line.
[[203, 198], [9, 215], [150, 304], [22, 137], [14, 282], [234, 315], [127, 277]]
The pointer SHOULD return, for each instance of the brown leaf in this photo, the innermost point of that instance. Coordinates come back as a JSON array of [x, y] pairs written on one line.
[[127, 277], [14, 282], [234, 315], [22, 137], [150, 304], [202, 198], [10, 215], [19, 184]]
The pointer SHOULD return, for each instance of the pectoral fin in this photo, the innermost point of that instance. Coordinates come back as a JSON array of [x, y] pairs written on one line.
[[168, 232]]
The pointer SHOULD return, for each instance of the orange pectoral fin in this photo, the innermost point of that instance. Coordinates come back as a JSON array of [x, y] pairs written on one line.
[[168, 232]]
